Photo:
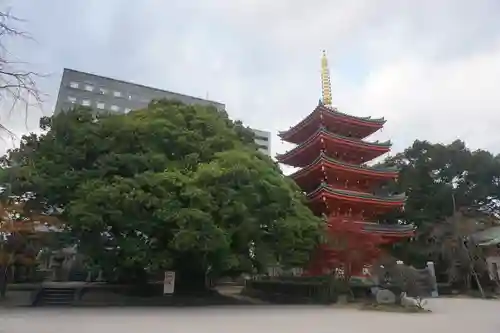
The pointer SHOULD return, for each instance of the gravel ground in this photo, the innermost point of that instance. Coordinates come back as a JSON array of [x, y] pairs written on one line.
[[458, 315]]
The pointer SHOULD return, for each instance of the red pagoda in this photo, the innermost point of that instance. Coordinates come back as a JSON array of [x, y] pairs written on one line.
[[332, 154]]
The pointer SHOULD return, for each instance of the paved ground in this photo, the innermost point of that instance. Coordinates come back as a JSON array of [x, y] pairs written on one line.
[[449, 315]]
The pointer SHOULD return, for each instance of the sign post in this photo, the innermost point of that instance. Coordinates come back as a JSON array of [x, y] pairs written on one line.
[[169, 283]]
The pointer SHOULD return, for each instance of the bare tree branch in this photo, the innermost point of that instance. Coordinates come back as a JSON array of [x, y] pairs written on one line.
[[18, 86]]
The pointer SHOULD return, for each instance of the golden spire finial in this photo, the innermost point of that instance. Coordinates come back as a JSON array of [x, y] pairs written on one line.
[[326, 86]]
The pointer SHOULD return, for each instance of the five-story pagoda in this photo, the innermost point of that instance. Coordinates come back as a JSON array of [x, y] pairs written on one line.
[[332, 154]]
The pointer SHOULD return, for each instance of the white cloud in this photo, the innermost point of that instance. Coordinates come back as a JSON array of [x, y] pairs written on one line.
[[437, 101]]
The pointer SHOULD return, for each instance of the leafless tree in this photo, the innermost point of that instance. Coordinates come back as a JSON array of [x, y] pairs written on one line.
[[451, 240], [18, 86]]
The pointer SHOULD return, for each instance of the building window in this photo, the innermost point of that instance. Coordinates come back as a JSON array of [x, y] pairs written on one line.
[[117, 94], [73, 84], [86, 102], [127, 110], [103, 91], [130, 97], [72, 99], [100, 105], [263, 138], [115, 108], [89, 87]]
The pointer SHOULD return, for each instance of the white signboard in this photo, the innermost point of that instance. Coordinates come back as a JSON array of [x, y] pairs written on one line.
[[169, 282]]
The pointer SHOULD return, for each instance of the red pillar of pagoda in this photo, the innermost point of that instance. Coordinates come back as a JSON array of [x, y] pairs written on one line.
[[331, 153]]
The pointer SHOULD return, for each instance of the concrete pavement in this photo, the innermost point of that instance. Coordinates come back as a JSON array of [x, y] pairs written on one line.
[[449, 315]]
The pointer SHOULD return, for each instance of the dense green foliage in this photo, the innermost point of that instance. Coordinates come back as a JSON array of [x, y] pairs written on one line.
[[169, 187]]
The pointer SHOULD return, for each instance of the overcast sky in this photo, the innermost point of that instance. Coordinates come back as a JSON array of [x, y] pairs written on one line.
[[430, 67]]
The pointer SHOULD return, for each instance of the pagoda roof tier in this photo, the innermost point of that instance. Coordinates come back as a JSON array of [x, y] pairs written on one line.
[[326, 193], [329, 167], [335, 121], [353, 150], [389, 230], [384, 230]]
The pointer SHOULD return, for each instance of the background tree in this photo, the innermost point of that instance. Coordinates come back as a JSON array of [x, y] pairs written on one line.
[[441, 180], [169, 187]]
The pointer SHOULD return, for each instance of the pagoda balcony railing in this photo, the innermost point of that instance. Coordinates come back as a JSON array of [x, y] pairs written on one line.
[[388, 227], [363, 195], [334, 112], [362, 167], [352, 140], [323, 130]]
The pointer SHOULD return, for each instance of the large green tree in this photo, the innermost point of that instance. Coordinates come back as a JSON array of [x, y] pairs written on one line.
[[172, 186]]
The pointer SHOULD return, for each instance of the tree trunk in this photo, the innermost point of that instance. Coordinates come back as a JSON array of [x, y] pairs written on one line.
[[191, 281], [472, 269], [3, 281]]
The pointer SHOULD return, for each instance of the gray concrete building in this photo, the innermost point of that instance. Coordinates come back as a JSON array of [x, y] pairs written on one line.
[[107, 94]]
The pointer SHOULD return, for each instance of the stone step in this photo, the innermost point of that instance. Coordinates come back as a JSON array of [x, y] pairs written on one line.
[[57, 296]]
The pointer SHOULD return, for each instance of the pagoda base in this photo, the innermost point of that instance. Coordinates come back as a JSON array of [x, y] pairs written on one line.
[[350, 247], [327, 262]]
